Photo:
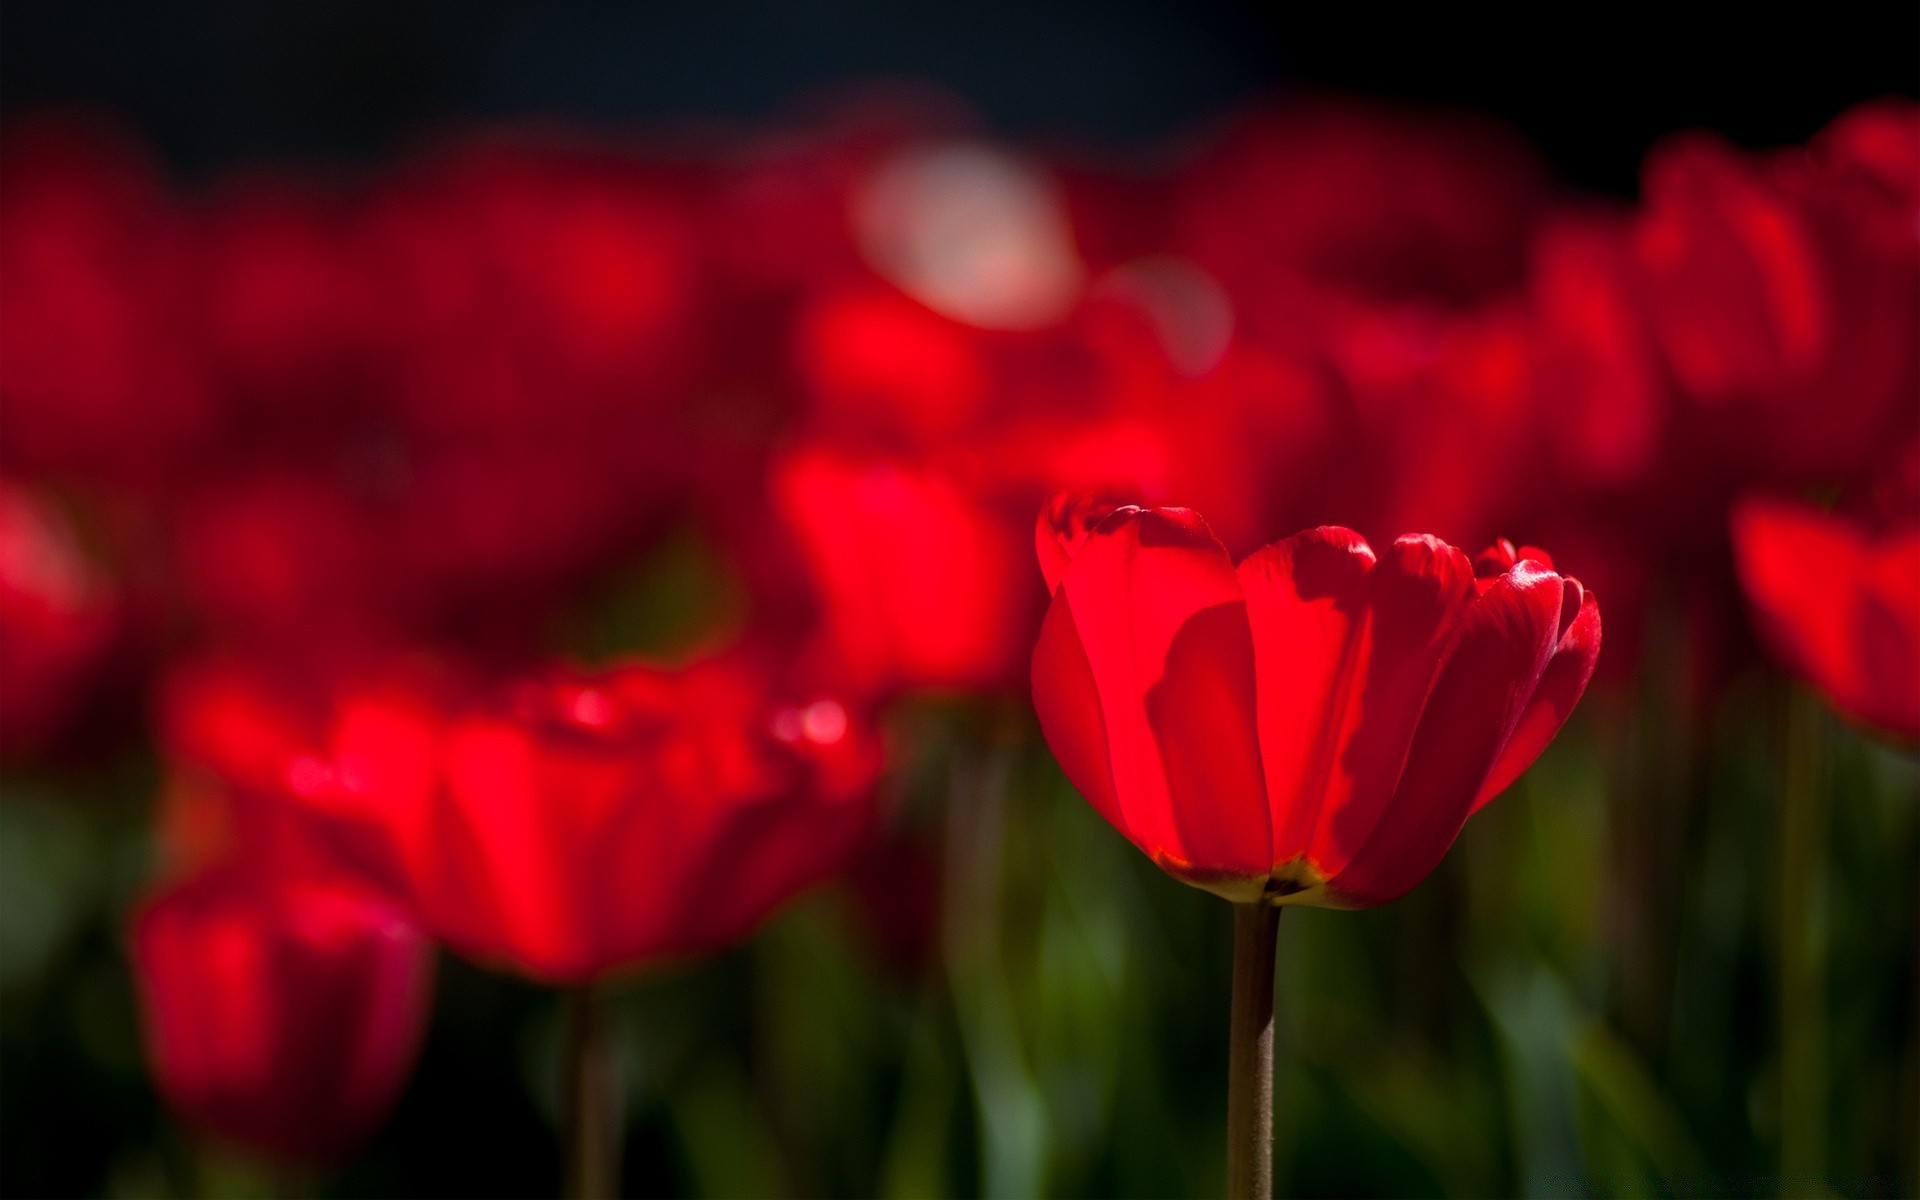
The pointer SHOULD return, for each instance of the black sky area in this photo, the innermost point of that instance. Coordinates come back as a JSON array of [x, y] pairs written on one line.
[[227, 82]]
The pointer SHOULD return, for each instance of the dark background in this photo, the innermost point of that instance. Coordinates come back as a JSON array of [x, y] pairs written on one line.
[[226, 81]]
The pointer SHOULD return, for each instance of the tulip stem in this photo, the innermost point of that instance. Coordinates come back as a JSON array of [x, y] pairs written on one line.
[[1250, 1054], [590, 1101], [1802, 955]]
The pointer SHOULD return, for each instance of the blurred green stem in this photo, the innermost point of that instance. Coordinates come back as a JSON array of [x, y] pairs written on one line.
[[591, 1101], [1802, 958], [1250, 1054]]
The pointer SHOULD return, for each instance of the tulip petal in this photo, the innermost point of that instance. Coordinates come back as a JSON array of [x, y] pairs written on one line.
[[1306, 598], [1560, 688], [1492, 669], [1068, 703], [494, 792], [1343, 735], [1146, 648]]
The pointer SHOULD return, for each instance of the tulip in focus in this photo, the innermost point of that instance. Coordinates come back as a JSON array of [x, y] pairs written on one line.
[[1839, 604], [1313, 726], [282, 1013], [1310, 727]]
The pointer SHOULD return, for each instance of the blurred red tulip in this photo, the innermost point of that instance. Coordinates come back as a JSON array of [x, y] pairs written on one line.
[[918, 583], [1601, 392], [1361, 198], [875, 359], [282, 1013], [286, 562], [1839, 603], [578, 825], [286, 304], [56, 616], [231, 732], [1315, 726], [98, 378], [1435, 396], [1783, 293], [534, 292]]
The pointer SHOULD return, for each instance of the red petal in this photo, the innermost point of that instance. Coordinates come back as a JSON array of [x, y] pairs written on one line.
[[1150, 613], [1560, 688], [1505, 641], [1345, 665], [1306, 597], [1067, 699]]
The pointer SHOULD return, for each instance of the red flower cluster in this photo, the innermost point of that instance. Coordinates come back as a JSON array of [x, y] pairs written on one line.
[[283, 442]]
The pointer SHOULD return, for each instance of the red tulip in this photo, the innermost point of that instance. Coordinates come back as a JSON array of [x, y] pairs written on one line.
[[282, 1012], [1364, 199], [573, 826], [285, 303], [530, 292], [97, 375], [1783, 293], [875, 359], [918, 583], [1839, 604], [1315, 725], [286, 561], [1602, 392], [56, 616]]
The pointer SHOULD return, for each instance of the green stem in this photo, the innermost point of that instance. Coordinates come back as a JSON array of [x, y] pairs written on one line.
[[1803, 966], [1250, 1054], [591, 1099]]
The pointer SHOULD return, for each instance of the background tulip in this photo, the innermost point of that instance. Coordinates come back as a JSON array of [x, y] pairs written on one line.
[[581, 824], [1839, 603], [282, 1013]]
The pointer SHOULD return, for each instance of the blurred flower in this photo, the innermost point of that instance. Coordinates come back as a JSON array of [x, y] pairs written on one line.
[[56, 616], [874, 359], [536, 292], [1838, 603], [286, 304], [285, 562], [1315, 726], [580, 824], [917, 582], [1601, 391], [282, 1012], [1362, 199], [1783, 293], [98, 378]]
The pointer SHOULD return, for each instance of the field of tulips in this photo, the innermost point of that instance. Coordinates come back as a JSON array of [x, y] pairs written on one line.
[[854, 657]]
